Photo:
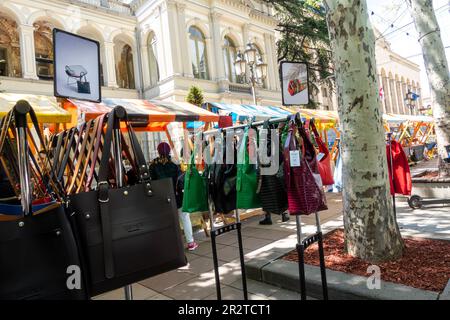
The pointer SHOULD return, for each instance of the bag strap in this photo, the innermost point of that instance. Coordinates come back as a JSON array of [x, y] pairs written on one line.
[[97, 143]]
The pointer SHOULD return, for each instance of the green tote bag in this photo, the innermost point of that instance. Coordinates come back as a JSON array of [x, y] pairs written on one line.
[[247, 180], [195, 197]]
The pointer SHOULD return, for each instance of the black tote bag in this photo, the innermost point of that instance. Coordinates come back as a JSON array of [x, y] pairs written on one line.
[[272, 187], [127, 234], [37, 250]]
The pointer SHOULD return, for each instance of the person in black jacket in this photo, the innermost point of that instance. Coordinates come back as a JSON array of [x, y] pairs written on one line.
[[163, 167]]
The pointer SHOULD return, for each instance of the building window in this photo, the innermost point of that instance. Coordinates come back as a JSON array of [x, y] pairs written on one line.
[[229, 56], [10, 65], [125, 66], [324, 92], [3, 63], [43, 43], [197, 46], [153, 62]]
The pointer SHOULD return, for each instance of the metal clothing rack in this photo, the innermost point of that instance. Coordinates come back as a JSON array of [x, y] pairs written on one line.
[[21, 109], [117, 153], [215, 232], [302, 244]]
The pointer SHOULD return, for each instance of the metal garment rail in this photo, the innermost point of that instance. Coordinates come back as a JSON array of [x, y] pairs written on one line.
[[117, 151], [302, 244]]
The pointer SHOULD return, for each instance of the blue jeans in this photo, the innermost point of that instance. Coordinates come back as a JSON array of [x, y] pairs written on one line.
[[187, 225]]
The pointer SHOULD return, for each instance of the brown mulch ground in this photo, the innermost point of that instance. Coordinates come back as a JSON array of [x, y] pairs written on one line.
[[424, 265]]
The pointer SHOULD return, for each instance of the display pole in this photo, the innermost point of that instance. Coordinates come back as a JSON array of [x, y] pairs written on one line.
[[323, 272], [392, 174], [214, 251], [301, 258], [21, 109], [117, 152], [241, 254]]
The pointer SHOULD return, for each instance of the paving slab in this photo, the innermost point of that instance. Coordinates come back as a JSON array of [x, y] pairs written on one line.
[[194, 289], [256, 287], [200, 265], [140, 292], [167, 280]]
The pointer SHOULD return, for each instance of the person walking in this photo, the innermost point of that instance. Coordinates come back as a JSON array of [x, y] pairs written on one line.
[[163, 167]]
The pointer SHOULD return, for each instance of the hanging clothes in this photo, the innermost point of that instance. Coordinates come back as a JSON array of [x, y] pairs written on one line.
[[337, 187], [399, 175], [247, 181], [324, 162], [195, 197], [222, 182], [302, 177], [272, 187]]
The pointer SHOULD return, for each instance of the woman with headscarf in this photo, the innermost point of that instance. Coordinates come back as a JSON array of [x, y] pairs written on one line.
[[163, 167]]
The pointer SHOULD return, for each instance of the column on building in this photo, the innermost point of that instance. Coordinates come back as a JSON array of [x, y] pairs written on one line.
[[109, 65], [270, 66], [183, 40], [383, 100], [170, 24], [169, 27], [400, 104], [275, 62], [145, 59], [387, 94], [393, 94], [405, 91], [27, 53], [217, 47]]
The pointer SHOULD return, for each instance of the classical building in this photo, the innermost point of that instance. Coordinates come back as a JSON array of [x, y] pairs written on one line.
[[397, 76], [149, 48]]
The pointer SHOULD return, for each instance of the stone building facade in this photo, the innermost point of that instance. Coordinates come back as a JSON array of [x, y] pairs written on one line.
[[149, 48], [396, 76]]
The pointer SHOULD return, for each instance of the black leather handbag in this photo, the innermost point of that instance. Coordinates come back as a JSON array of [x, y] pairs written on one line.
[[127, 234], [272, 187], [36, 250]]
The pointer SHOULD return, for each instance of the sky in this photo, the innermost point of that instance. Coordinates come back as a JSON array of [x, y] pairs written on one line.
[[405, 41]]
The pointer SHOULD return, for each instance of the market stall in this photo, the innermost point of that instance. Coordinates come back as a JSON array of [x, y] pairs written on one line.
[[47, 108], [414, 132]]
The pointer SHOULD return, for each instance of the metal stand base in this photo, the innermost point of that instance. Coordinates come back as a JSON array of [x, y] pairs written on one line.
[[302, 245], [215, 232]]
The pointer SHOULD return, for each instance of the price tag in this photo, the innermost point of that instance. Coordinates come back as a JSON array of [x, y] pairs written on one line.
[[320, 156], [294, 158]]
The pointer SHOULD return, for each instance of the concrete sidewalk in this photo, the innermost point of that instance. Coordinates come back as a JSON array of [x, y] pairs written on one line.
[[196, 280]]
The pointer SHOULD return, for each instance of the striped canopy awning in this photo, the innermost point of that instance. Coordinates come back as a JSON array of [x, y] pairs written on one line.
[[46, 107], [244, 112], [399, 118], [153, 115]]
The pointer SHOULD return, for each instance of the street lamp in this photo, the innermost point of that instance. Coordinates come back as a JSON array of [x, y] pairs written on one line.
[[258, 69]]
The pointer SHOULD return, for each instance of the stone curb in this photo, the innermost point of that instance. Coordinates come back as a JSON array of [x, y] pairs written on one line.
[[445, 295], [341, 286]]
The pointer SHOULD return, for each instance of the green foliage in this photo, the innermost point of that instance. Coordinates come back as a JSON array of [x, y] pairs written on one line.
[[304, 37], [195, 96]]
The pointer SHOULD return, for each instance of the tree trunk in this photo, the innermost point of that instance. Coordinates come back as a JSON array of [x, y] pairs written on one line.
[[438, 75], [371, 231]]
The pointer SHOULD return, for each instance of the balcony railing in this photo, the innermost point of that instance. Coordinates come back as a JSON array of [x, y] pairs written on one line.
[[112, 5], [240, 88]]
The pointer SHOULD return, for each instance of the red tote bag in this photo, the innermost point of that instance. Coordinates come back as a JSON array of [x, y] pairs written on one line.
[[303, 183], [326, 173]]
